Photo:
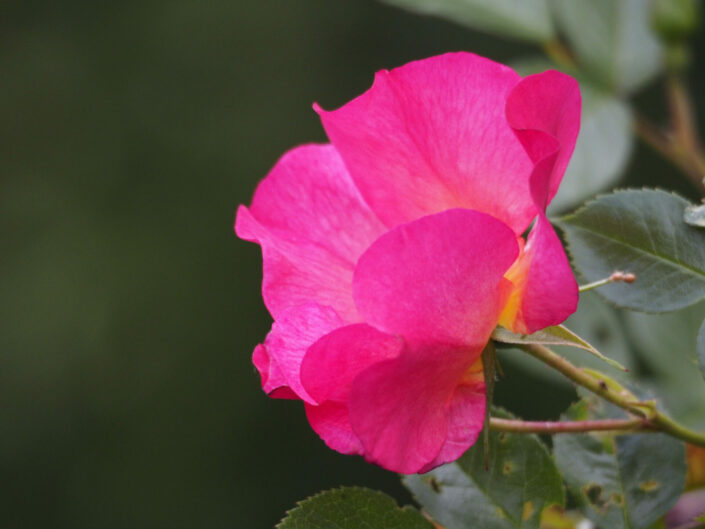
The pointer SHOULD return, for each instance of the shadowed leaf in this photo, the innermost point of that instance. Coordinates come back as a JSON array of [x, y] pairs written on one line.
[[612, 40], [521, 19]]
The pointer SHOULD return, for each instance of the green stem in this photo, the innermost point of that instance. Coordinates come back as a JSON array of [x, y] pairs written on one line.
[[617, 275], [666, 424], [644, 410], [595, 284], [551, 427]]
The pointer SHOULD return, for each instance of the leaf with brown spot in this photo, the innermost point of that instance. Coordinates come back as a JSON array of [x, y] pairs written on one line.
[[649, 486], [623, 481]]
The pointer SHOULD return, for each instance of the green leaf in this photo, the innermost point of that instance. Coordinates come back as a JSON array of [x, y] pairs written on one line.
[[695, 216], [556, 335], [668, 345], [520, 483], [352, 508], [623, 481], [612, 40], [604, 144], [639, 231], [522, 19]]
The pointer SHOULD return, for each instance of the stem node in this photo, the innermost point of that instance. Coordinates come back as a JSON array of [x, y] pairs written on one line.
[[646, 412]]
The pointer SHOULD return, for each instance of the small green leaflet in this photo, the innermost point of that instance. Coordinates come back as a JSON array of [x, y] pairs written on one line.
[[352, 508], [556, 335], [596, 322], [521, 482]]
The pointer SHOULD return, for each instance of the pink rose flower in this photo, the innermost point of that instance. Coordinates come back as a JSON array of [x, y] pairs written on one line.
[[392, 253]]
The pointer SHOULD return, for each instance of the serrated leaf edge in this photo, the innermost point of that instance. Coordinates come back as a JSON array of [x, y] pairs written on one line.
[[559, 223], [354, 488]]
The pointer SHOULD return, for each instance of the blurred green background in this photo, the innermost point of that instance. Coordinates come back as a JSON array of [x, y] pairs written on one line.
[[129, 132]]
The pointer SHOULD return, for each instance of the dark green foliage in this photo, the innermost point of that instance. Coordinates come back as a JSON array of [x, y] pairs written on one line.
[[352, 508]]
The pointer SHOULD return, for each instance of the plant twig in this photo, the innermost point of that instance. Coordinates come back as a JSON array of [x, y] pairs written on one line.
[[683, 123], [554, 427], [559, 53], [622, 398], [680, 144]]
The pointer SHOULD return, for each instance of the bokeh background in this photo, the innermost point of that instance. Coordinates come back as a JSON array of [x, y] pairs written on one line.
[[129, 132]]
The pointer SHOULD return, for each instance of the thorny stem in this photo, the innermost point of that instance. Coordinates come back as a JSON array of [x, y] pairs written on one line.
[[646, 412], [553, 427]]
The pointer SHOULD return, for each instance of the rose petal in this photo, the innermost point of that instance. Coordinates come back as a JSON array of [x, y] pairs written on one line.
[[401, 409], [331, 364], [438, 278], [313, 225], [550, 292], [465, 416], [331, 421], [327, 373], [544, 110], [433, 135], [279, 359], [272, 379]]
